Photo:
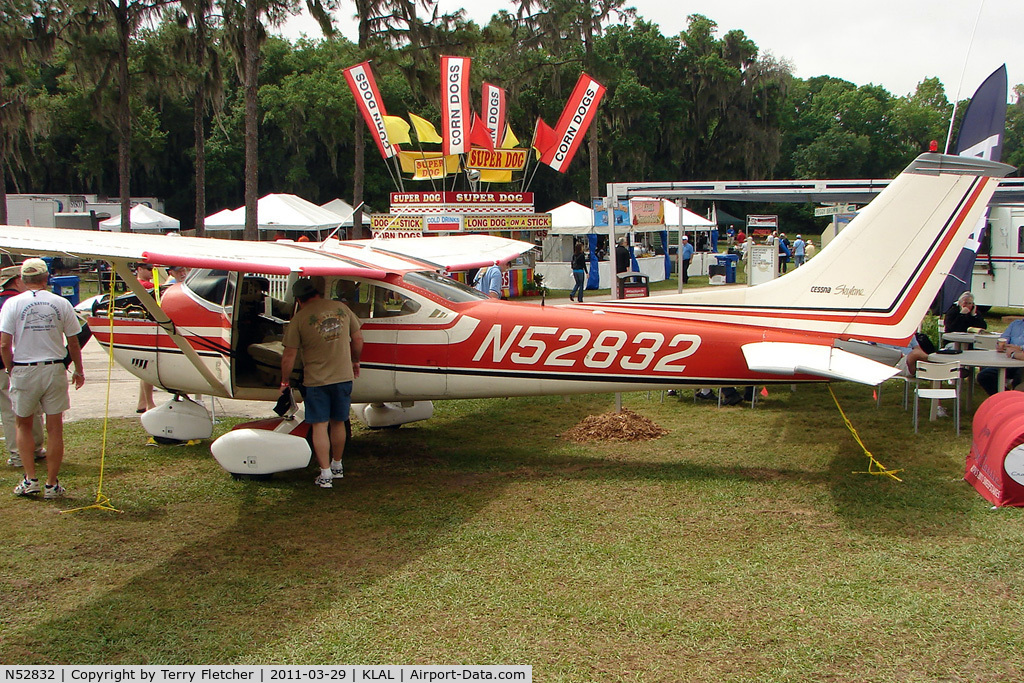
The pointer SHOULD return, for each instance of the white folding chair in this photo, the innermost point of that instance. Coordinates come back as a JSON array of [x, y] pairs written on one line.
[[985, 342], [935, 374]]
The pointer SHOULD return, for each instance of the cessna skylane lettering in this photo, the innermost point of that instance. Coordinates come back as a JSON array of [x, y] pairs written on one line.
[[428, 337]]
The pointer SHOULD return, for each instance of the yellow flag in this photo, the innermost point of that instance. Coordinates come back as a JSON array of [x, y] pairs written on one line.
[[425, 130], [495, 176], [510, 141], [408, 160], [397, 129]]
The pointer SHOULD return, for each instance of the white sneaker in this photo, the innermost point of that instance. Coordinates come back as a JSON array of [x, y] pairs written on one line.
[[337, 470], [941, 412], [55, 491], [323, 482], [14, 460], [26, 487]]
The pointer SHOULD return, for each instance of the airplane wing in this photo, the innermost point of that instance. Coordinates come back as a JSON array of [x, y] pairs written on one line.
[[363, 258], [272, 258], [452, 252], [787, 358]]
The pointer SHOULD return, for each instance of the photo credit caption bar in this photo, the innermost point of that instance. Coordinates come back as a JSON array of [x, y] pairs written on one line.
[[262, 673]]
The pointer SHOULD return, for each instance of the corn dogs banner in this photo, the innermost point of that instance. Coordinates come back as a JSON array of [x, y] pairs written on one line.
[[494, 112], [576, 118], [364, 88], [455, 109]]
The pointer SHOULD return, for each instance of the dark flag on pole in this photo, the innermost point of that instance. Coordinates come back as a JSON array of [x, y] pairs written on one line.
[[981, 135]]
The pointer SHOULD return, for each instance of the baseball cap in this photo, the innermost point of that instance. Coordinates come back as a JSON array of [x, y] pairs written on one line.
[[303, 288], [9, 273], [33, 266]]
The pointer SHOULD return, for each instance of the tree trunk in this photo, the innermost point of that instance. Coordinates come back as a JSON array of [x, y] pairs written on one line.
[[251, 231], [198, 129], [358, 179], [595, 189], [124, 119], [199, 133], [3, 192], [3, 173], [359, 139]]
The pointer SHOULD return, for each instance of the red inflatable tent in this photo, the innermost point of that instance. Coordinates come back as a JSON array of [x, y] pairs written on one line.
[[995, 465]]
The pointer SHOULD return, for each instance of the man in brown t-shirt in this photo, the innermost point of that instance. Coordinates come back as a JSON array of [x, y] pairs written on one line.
[[328, 334]]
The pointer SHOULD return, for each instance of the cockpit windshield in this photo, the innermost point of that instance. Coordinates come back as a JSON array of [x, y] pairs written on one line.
[[444, 287]]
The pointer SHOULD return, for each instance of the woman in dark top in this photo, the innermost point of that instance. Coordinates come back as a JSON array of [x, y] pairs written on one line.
[[579, 269], [964, 314]]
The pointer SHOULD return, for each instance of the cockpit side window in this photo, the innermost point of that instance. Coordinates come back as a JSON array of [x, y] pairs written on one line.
[[369, 300], [445, 287]]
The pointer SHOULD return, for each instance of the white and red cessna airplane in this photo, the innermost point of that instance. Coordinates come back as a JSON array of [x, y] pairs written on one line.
[[427, 337]]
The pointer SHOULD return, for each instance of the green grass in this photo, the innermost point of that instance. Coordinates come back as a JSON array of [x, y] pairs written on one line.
[[742, 546]]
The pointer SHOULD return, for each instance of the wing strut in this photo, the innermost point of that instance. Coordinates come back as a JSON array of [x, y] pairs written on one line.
[[167, 325]]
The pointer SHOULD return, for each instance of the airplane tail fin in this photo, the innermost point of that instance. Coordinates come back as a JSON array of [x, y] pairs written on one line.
[[876, 279]]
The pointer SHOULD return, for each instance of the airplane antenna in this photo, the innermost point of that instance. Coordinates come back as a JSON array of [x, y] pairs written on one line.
[[335, 231], [956, 100]]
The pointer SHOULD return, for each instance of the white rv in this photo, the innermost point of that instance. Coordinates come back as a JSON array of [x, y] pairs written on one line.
[[998, 277]]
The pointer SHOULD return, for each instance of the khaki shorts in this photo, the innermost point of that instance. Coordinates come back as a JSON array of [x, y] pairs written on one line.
[[39, 386]]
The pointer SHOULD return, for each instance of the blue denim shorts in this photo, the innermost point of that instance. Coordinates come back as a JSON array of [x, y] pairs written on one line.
[[329, 402]]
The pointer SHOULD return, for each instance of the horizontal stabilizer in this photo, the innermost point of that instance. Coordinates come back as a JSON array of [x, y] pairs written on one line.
[[786, 358]]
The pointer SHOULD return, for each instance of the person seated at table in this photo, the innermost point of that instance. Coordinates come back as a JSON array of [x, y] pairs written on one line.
[[988, 378], [918, 349], [964, 314]]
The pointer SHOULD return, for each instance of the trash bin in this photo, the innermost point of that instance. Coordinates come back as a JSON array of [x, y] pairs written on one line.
[[631, 285], [729, 261], [66, 286]]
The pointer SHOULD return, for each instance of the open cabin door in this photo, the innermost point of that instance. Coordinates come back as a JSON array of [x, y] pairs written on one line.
[[259, 315]]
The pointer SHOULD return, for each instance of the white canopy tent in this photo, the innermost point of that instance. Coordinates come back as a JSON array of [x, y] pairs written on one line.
[[143, 219], [278, 212], [224, 218], [576, 219], [571, 219], [338, 206], [343, 209]]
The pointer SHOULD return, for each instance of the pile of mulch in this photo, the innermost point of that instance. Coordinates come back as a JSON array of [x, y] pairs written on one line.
[[624, 426]]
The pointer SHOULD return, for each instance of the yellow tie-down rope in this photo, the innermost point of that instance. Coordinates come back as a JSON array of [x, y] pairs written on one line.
[[874, 467], [102, 501]]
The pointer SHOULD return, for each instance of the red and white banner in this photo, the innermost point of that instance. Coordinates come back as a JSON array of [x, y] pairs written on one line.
[[494, 112], [455, 109], [364, 88], [576, 118]]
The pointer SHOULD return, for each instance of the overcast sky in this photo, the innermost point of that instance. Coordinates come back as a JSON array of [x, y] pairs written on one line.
[[893, 43]]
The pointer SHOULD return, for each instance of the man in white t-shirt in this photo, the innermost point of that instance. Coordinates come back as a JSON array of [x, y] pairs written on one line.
[[10, 287], [34, 327]]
